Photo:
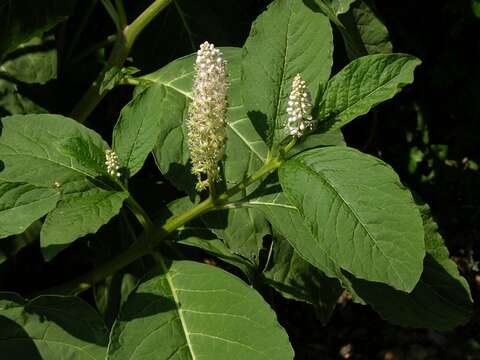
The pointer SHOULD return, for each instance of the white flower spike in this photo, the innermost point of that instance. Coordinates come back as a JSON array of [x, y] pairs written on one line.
[[206, 115], [112, 162], [299, 108]]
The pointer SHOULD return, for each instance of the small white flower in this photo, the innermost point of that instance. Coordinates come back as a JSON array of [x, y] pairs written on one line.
[[112, 162], [206, 115], [299, 108]]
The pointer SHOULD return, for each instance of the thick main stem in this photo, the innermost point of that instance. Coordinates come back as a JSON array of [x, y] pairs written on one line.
[[145, 246], [121, 49]]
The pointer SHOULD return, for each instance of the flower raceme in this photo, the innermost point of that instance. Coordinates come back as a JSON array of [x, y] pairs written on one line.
[[206, 115], [112, 163], [299, 108]]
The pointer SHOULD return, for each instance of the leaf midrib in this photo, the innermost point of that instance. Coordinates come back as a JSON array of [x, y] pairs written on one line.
[[238, 133], [325, 180]]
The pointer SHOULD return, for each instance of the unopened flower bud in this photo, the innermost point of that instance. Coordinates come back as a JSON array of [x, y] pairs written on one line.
[[206, 115], [112, 162], [299, 108]]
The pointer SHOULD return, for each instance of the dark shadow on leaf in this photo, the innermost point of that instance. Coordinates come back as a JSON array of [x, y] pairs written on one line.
[[270, 185], [142, 305], [50, 251], [182, 178], [15, 343], [259, 122], [71, 314], [312, 5], [439, 301], [217, 219]]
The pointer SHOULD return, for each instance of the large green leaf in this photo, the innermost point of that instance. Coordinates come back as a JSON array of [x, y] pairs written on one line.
[[242, 229], [359, 213], [366, 32], [25, 19], [197, 311], [50, 327], [287, 221], [362, 84], [245, 149], [297, 279], [287, 39], [217, 248], [51, 151], [34, 62], [145, 118], [21, 204], [441, 300], [78, 216], [331, 138]]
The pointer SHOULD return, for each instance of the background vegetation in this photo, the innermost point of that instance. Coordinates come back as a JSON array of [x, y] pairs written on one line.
[[429, 134]]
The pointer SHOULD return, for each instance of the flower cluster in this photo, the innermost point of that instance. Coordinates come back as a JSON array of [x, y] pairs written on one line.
[[206, 115], [299, 108], [112, 162]]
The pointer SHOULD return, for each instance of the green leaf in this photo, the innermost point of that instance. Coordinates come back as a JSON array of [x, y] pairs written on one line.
[[195, 234], [359, 213], [331, 138], [287, 39], [25, 19], [197, 311], [34, 62], [297, 279], [35, 149], [365, 31], [337, 6], [245, 150], [476, 8], [441, 300], [362, 84], [11, 246], [146, 119], [241, 229], [287, 221], [49, 327], [244, 229], [432, 303], [78, 216], [218, 249], [21, 204]]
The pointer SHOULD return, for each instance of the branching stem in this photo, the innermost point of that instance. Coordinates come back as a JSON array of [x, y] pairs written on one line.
[[125, 40], [146, 244]]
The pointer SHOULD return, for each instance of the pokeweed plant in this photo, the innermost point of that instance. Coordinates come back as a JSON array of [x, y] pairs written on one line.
[[252, 136]]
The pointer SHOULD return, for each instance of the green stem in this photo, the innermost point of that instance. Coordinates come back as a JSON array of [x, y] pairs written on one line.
[[145, 244], [122, 16], [121, 49], [290, 145], [140, 214]]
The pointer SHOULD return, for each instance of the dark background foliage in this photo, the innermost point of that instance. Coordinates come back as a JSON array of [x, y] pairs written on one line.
[[429, 133]]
